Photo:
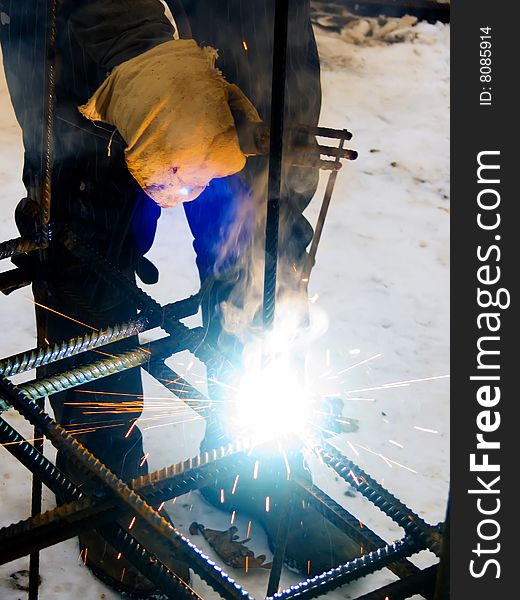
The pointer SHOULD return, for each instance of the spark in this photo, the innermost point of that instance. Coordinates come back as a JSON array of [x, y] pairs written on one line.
[[235, 485], [233, 515], [174, 500], [105, 354], [222, 495], [247, 564], [354, 351], [244, 44], [267, 503], [144, 459], [119, 556], [387, 460], [361, 399], [248, 529], [396, 444], [132, 427], [132, 523], [356, 480], [61, 314], [308, 567], [386, 386], [161, 506], [255, 470], [425, 429], [287, 466], [353, 448], [123, 574], [362, 362], [314, 298]]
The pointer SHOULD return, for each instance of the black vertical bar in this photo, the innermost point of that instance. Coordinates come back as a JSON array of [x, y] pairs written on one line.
[[36, 508], [274, 186], [281, 541]]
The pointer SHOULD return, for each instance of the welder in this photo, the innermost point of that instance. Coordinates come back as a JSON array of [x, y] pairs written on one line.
[[120, 157]]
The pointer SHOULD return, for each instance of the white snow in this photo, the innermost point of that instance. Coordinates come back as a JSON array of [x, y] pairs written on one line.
[[382, 279]]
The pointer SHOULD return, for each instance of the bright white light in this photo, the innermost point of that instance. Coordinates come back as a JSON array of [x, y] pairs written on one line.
[[272, 402], [184, 191]]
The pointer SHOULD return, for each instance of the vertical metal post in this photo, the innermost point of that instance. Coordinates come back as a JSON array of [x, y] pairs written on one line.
[[281, 540], [274, 186]]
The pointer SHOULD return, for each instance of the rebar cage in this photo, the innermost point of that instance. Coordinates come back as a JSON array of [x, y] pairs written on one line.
[[112, 498]]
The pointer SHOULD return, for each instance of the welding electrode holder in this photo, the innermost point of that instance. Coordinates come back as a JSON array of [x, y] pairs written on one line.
[[302, 149]]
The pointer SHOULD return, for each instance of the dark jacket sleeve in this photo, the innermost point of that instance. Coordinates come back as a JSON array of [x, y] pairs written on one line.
[[113, 31]]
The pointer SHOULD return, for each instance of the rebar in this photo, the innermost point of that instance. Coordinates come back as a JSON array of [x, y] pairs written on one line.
[[355, 569], [274, 184], [422, 583], [58, 483], [82, 513], [44, 355], [380, 497], [17, 246], [62, 440], [357, 531]]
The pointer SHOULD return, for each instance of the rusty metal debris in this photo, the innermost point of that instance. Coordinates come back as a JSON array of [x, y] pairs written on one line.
[[229, 548]]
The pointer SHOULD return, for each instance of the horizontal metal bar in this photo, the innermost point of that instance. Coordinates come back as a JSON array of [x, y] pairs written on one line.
[[17, 246], [380, 497], [66, 380]]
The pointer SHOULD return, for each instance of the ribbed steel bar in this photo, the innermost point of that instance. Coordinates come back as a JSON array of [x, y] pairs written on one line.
[[274, 184], [359, 532], [66, 380], [17, 246], [380, 497], [206, 568], [355, 569], [64, 522], [39, 388], [58, 483], [44, 355], [422, 583]]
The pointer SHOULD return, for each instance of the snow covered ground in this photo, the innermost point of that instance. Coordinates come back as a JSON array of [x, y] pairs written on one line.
[[382, 280]]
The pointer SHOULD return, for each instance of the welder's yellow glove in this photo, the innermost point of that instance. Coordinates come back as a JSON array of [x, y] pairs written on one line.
[[175, 112]]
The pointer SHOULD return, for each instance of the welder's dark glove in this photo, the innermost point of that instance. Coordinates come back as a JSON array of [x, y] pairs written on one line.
[[177, 115]]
